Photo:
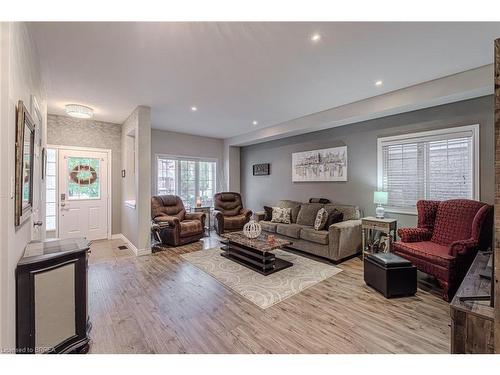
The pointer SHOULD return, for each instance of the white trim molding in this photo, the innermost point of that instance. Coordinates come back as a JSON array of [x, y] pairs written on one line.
[[131, 246]]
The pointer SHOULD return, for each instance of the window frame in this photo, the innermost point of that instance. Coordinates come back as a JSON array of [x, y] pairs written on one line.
[[186, 158], [397, 139]]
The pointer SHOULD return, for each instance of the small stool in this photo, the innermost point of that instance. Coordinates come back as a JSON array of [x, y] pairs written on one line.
[[390, 274]]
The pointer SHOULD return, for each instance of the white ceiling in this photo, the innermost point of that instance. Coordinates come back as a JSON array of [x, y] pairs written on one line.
[[235, 73]]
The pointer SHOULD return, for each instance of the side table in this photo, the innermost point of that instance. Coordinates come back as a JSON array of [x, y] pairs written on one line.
[[371, 224], [208, 211]]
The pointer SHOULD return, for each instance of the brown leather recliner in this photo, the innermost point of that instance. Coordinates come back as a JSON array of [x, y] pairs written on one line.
[[178, 227], [229, 213]]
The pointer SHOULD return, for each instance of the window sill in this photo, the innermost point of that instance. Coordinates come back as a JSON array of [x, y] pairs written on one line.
[[401, 211], [130, 204]]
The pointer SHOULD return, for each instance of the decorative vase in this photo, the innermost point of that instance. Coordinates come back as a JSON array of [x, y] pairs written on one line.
[[252, 229]]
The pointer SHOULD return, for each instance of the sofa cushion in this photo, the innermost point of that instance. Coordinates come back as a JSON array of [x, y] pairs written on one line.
[[307, 213], [313, 235], [268, 226], [293, 205], [289, 230], [281, 215], [350, 212], [190, 228]]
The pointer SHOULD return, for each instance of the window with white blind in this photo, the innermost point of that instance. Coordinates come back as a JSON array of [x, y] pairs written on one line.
[[191, 179], [438, 165]]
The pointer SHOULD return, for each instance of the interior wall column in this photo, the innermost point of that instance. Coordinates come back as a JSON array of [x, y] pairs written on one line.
[[231, 168]]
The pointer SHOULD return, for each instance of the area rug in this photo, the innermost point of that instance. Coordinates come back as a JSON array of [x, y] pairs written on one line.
[[264, 291]]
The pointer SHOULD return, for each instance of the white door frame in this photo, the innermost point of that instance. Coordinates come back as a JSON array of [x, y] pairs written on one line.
[[110, 178]]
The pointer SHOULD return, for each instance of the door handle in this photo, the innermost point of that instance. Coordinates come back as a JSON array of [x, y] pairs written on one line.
[[38, 223]]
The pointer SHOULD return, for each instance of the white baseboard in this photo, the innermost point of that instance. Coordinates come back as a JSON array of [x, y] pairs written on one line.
[[138, 252]]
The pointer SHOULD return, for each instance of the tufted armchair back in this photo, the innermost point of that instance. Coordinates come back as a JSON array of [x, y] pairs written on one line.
[[170, 205], [229, 204], [459, 219]]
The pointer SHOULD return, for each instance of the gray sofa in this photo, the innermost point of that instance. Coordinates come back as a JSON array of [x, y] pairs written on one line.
[[336, 243]]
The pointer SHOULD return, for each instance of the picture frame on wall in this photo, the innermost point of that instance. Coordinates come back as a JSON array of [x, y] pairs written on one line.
[[327, 165], [25, 154], [262, 169]]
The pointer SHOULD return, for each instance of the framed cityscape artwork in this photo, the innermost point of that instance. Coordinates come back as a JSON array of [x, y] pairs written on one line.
[[261, 169], [328, 164]]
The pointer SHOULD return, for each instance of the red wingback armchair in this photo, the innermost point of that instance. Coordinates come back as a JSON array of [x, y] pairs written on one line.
[[446, 240]]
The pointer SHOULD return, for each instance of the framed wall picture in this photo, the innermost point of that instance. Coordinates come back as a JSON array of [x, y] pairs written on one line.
[[261, 169], [328, 164], [25, 149]]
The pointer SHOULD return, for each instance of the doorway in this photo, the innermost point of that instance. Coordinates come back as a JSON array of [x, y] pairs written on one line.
[[81, 197]]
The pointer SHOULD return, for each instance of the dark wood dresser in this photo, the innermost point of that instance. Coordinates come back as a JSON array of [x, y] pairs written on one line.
[[472, 321], [51, 297]]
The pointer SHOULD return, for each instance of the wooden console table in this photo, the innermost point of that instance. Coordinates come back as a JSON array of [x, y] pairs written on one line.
[[386, 226], [472, 321]]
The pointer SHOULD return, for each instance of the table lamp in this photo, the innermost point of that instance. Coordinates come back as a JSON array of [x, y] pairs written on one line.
[[380, 198]]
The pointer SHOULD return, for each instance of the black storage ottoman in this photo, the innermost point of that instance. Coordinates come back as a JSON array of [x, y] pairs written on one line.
[[390, 274]]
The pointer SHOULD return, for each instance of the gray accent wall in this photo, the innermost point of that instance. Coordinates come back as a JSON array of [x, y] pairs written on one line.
[[361, 141], [69, 131]]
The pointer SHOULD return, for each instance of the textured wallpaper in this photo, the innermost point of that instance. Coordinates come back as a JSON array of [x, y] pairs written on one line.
[[68, 131]]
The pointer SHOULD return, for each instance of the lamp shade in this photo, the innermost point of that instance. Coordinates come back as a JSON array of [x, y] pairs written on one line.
[[380, 197]]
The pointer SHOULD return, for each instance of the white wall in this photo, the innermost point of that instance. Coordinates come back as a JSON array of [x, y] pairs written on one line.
[[19, 79], [135, 221], [178, 144], [69, 131]]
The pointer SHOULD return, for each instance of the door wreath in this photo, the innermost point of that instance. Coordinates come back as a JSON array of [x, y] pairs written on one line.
[[74, 175]]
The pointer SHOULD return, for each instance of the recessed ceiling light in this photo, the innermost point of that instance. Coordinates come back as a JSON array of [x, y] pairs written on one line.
[[254, 122], [315, 37], [194, 109], [378, 83], [79, 111]]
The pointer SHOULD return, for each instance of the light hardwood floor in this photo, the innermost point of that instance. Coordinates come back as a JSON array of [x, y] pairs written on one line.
[[162, 304]]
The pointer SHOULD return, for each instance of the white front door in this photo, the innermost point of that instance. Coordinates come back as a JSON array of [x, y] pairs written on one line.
[[83, 194]]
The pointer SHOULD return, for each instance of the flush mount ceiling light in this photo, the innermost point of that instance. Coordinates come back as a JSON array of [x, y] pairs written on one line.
[[79, 111], [194, 109], [254, 122], [378, 83], [315, 38]]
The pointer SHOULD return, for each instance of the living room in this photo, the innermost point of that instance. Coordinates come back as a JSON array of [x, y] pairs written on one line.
[[249, 187]]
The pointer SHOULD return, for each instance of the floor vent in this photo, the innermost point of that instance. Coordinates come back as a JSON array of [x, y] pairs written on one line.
[[122, 247]]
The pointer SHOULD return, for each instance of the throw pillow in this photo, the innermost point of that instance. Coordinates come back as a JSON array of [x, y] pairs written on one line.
[[281, 215], [321, 218], [268, 213], [334, 217]]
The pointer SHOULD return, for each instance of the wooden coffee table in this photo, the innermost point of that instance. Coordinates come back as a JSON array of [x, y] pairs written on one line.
[[255, 253]]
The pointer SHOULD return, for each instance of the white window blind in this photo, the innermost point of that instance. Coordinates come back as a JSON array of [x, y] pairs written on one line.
[[436, 165]]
